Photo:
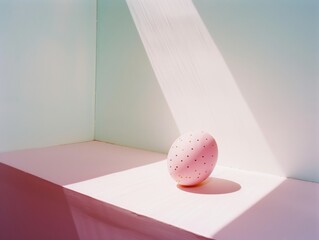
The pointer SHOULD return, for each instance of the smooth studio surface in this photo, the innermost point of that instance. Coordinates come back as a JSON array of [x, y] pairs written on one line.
[[230, 205], [72, 163], [128, 193]]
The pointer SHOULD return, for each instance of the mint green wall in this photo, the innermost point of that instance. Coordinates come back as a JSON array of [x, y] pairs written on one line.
[[270, 47], [130, 107], [47, 72], [272, 50]]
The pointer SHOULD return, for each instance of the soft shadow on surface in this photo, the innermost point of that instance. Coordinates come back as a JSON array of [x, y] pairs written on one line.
[[227, 23], [213, 186]]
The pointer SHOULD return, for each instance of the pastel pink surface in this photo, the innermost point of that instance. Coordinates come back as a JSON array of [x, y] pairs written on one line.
[[71, 163], [192, 158], [113, 192]]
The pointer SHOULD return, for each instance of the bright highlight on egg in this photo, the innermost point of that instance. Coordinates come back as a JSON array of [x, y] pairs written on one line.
[[192, 158]]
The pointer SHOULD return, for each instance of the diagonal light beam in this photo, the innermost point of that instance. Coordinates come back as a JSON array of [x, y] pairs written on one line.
[[197, 83]]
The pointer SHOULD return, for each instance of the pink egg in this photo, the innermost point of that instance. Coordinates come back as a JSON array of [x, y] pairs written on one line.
[[192, 158]]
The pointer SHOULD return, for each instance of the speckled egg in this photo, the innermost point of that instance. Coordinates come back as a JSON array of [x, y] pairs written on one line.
[[192, 158]]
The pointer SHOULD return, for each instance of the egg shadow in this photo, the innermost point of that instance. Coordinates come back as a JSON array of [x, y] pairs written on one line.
[[212, 186]]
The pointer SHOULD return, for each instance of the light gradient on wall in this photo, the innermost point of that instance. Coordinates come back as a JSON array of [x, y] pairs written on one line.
[[130, 107], [271, 51], [47, 72], [197, 83]]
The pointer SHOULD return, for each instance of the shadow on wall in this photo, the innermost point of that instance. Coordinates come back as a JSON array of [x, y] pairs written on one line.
[[197, 83], [290, 211], [130, 107], [264, 110], [269, 47], [272, 51]]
